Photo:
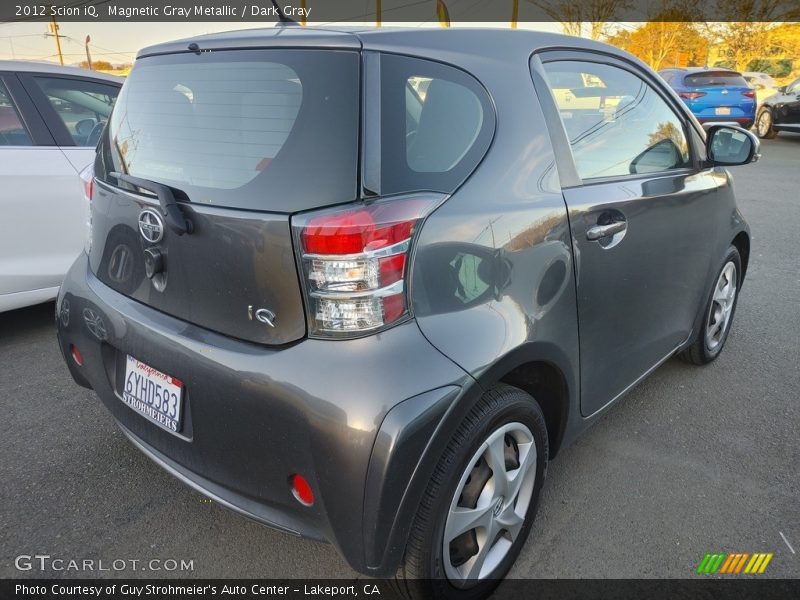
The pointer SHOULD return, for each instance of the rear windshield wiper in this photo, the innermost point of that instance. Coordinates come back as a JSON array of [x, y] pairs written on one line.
[[166, 198]]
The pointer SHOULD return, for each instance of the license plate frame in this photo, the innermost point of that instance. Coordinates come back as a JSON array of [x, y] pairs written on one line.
[[723, 111], [156, 396]]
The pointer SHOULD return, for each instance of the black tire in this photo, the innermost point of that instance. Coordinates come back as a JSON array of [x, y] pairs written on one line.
[[702, 351], [423, 574], [765, 130]]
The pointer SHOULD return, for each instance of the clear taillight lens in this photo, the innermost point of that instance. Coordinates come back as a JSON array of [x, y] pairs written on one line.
[[87, 186], [355, 262]]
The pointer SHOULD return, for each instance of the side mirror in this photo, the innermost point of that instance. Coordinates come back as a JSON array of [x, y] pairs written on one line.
[[729, 146]]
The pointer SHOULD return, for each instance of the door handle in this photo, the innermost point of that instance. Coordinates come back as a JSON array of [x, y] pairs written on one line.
[[600, 231]]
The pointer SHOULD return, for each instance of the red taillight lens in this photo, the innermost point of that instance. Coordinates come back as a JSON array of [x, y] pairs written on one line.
[[691, 95], [301, 490], [355, 261], [749, 93], [87, 182]]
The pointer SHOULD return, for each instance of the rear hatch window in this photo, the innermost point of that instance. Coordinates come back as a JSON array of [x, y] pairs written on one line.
[[272, 130], [715, 78]]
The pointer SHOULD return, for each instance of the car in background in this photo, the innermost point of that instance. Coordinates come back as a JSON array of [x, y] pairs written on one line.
[[714, 95], [780, 112], [763, 84], [51, 118]]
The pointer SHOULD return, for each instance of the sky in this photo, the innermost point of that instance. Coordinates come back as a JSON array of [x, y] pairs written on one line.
[[118, 42]]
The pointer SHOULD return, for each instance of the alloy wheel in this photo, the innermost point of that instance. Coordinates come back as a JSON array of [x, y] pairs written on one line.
[[488, 510], [764, 123], [721, 306]]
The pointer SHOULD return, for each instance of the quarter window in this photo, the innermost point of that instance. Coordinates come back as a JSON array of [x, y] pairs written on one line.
[[12, 131], [83, 106], [616, 123], [436, 123]]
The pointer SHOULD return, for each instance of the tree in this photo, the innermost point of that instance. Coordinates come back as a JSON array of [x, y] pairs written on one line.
[[664, 43], [745, 29], [97, 65], [574, 15]]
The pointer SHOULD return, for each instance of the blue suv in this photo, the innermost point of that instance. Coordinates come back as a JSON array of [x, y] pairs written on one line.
[[714, 95]]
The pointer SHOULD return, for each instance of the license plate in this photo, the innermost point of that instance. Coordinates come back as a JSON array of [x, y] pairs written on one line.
[[153, 394], [723, 110]]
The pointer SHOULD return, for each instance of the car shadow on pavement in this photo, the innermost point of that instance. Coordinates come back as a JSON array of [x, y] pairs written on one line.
[[25, 321]]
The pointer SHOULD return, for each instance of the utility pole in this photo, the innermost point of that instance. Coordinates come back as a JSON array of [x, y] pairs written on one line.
[[88, 54], [54, 30]]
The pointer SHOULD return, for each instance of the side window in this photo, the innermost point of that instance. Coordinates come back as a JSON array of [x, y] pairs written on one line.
[[794, 87], [83, 106], [436, 123], [428, 101], [616, 123], [12, 131]]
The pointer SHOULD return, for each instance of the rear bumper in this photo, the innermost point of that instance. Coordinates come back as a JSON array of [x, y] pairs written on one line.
[[254, 415], [746, 122]]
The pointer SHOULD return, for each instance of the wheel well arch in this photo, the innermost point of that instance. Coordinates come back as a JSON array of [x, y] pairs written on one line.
[[545, 382], [742, 244]]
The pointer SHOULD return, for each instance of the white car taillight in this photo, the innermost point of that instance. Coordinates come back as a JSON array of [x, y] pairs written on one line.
[[355, 262], [87, 186]]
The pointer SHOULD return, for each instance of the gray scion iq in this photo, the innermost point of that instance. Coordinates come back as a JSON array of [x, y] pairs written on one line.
[[341, 275]]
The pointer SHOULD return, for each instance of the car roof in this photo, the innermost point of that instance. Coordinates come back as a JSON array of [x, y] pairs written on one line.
[[486, 42], [693, 70], [25, 66]]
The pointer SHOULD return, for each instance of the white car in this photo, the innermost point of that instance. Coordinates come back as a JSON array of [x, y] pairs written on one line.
[[763, 83], [50, 120]]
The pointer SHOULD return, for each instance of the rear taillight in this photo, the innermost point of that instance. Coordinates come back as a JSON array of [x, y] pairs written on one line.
[[355, 263], [87, 182], [749, 93], [691, 95], [87, 185]]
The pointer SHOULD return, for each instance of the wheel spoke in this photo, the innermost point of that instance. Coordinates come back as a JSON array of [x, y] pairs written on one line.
[[476, 563], [515, 478], [495, 456], [731, 295], [721, 293], [461, 520]]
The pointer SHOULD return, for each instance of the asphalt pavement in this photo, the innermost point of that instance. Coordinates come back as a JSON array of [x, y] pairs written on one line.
[[693, 460]]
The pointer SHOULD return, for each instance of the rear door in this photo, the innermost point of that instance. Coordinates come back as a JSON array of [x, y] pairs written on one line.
[[44, 224], [75, 109], [241, 139], [640, 214]]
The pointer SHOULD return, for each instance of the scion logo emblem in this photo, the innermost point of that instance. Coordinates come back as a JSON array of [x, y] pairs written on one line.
[[151, 225]]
